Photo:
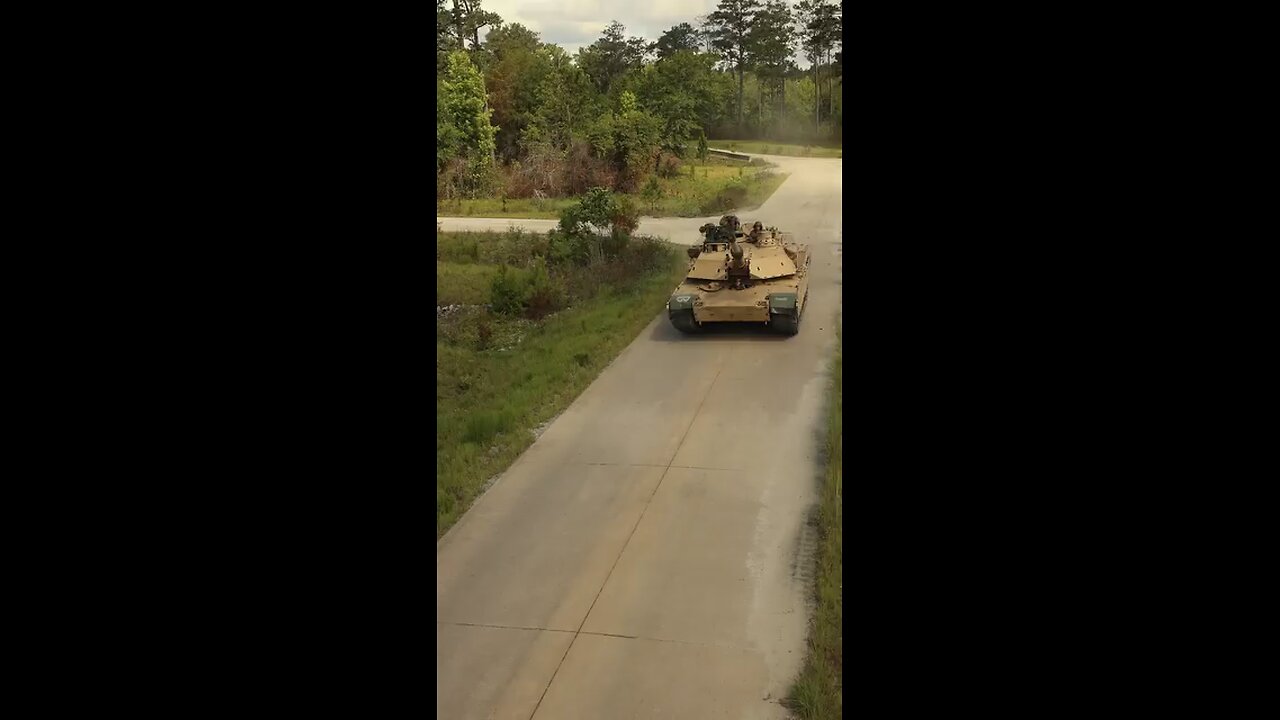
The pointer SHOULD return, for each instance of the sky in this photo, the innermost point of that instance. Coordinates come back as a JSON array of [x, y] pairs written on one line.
[[573, 24]]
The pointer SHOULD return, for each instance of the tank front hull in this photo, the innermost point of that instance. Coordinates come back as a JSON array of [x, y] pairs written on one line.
[[776, 293], [765, 303]]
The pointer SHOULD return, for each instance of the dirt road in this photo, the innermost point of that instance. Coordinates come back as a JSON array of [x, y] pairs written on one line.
[[645, 558]]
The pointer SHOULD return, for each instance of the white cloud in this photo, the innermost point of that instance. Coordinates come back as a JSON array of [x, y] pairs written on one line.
[[572, 24]]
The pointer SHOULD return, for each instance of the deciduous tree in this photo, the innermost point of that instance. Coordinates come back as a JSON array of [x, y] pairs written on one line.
[[515, 72], [685, 93], [467, 19], [463, 129]]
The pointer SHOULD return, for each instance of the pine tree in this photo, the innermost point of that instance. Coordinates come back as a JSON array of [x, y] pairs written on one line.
[[730, 30]]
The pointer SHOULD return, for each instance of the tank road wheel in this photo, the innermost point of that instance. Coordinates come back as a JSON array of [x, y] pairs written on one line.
[[785, 324], [684, 322]]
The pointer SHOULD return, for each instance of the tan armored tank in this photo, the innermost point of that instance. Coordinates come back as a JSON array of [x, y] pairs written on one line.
[[759, 276]]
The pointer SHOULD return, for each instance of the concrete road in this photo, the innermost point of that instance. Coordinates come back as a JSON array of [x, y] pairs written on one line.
[[647, 557]]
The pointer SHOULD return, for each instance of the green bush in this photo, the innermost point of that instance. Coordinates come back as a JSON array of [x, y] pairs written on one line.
[[669, 166], [646, 254], [546, 294], [580, 236], [560, 248], [508, 293], [623, 216], [484, 333], [652, 192], [727, 198]]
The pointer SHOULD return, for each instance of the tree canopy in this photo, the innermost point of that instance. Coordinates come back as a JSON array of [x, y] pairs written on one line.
[[679, 37], [511, 103]]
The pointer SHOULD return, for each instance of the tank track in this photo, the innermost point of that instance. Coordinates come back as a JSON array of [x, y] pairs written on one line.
[[684, 322]]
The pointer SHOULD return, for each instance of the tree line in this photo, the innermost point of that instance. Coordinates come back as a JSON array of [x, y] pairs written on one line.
[[518, 116]]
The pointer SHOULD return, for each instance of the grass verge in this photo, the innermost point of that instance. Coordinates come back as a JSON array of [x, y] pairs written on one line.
[[463, 283], [818, 692], [696, 190], [499, 377], [765, 147]]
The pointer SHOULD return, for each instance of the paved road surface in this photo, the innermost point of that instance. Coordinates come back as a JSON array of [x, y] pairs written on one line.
[[647, 556]]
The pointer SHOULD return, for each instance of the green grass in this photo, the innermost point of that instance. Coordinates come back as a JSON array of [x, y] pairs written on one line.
[[548, 209], [714, 187], [497, 377], [463, 283], [818, 692], [765, 147]]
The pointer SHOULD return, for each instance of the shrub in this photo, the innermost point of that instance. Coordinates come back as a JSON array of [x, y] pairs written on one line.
[[669, 166], [727, 198], [652, 190], [484, 333], [514, 249], [451, 181], [596, 207], [507, 294], [628, 179], [583, 171], [623, 216], [545, 293], [645, 254], [578, 236], [560, 248], [614, 243]]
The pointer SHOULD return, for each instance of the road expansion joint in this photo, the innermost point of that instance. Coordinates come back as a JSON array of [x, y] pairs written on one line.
[[502, 627], [677, 467], [647, 503], [718, 646], [619, 636]]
